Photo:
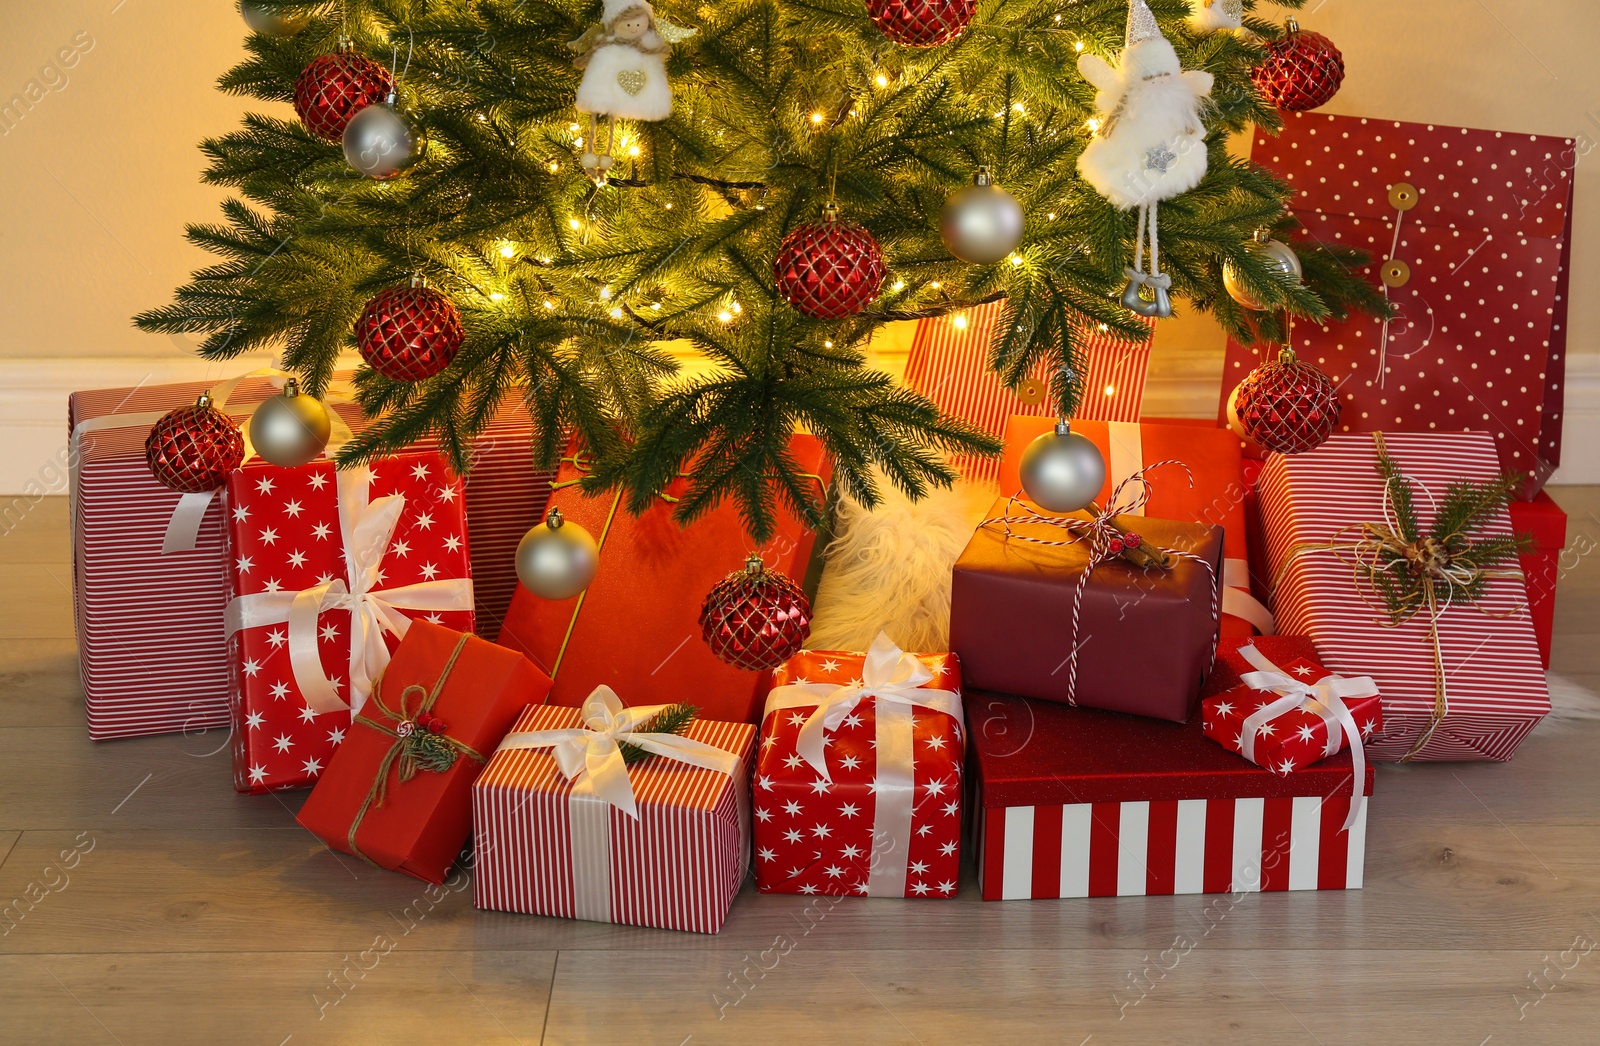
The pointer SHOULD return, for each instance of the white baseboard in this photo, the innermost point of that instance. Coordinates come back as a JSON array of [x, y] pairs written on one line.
[[33, 406]]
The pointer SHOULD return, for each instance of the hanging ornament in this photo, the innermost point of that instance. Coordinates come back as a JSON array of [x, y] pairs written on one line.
[[409, 333], [1235, 424], [382, 141], [1210, 16], [1302, 71], [1150, 143], [1277, 254], [1287, 406], [1062, 471], [754, 618], [272, 22], [334, 87], [291, 428], [193, 448], [624, 64], [982, 223], [829, 269], [921, 23], [557, 559]]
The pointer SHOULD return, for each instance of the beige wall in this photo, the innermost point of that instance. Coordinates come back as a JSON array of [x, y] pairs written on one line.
[[98, 179]]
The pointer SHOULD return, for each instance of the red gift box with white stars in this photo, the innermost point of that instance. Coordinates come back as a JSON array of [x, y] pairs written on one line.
[[1481, 222], [1300, 736], [839, 834], [297, 542]]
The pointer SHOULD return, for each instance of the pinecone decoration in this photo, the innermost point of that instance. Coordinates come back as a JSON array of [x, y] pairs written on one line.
[[193, 448], [1301, 72], [755, 619], [921, 23], [829, 269], [409, 333], [334, 87], [1287, 406]]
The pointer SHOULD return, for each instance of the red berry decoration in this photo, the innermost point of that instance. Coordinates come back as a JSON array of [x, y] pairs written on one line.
[[1287, 406], [335, 87], [830, 268], [409, 333], [193, 449], [755, 619], [1302, 71], [921, 23]]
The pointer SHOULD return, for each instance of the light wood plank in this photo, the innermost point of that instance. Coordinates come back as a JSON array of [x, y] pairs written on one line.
[[39, 683], [35, 531], [36, 601]]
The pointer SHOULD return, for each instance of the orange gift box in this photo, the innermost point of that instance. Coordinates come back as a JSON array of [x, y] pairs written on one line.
[[1217, 495], [444, 697], [636, 627]]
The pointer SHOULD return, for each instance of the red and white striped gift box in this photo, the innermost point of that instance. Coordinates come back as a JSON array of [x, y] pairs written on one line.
[[1495, 685], [677, 867], [948, 363], [1073, 802], [152, 655]]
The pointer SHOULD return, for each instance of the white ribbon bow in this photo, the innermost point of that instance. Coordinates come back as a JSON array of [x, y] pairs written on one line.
[[1325, 698], [366, 529], [593, 751]]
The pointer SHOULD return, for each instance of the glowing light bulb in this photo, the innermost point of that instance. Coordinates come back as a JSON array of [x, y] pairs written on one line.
[[1103, 327], [554, 167], [507, 251], [725, 316], [549, 304], [616, 314], [1111, 390], [577, 143], [1018, 107], [497, 296], [737, 309], [573, 223], [667, 206], [899, 285], [605, 293], [1051, 216], [1016, 259], [827, 343], [633, 150], [1077, 46], [959, 321], [816, 117], [574, 127], [881, 80], [1092, 124], [935, 285]]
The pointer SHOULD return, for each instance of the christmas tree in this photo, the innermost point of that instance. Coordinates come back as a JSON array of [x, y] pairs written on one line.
[[572, 246]]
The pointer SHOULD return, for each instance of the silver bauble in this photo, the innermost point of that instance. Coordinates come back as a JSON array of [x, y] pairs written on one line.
[[982, 223], [1279, 255], [291, 428], [381, 141], [268, 22], [557, 559], [1062, 471]]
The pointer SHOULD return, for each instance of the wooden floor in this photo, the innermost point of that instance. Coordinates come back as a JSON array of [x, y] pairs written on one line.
[[184, 913]]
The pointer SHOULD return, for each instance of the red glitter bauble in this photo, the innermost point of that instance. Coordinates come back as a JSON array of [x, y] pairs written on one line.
[[921, 23], [829, 269], [754, 618], [1302, 71], [335, 87], [1287, 406], [409, 333], [193, 449]]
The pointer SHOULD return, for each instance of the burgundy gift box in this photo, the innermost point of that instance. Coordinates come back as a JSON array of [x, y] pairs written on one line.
[[1145, 638], [1073, 802]]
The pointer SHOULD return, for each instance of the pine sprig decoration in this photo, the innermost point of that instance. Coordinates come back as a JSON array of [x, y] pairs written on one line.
[[674, 719]]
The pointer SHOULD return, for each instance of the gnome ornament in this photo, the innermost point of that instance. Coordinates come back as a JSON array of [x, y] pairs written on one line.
[[1151, 142], [624, 63], [1210, 16]]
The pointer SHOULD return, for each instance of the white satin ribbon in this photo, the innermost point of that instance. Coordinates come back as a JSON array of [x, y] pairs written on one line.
[[1325, 698], [366, 528], [1237, 600], [894, 679]]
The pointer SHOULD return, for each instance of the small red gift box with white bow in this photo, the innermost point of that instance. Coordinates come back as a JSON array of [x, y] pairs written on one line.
[[1272, 702]]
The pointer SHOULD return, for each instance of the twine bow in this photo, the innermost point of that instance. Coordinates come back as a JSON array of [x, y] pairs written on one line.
[[420, 741], [1098, 531], [1324, 698], [1412, 572], [591, 755]]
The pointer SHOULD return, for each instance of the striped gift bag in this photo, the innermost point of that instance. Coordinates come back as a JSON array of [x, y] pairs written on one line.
[[948, 363]]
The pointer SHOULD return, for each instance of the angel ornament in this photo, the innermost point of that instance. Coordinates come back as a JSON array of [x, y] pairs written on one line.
[[624, 63], [1151, 143]]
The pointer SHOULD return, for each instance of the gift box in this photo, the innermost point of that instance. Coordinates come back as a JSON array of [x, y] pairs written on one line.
[[1469, 232], [564, 828], [152, 653], [1024, 620], [398, 792], [326, 569], [1271, 701], [1072, 802], [636, 627], [1491, 690], [858, 784], [949, 363], [1546, 523], [1213, 491]]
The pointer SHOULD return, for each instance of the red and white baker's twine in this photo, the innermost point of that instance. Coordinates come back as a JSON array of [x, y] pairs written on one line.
[[1106, 542]]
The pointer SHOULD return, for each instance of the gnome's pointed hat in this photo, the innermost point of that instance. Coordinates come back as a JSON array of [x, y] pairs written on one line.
[[1141, 24]]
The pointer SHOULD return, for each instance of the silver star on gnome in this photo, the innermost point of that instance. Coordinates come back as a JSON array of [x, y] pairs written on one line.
[[1159, 159]]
